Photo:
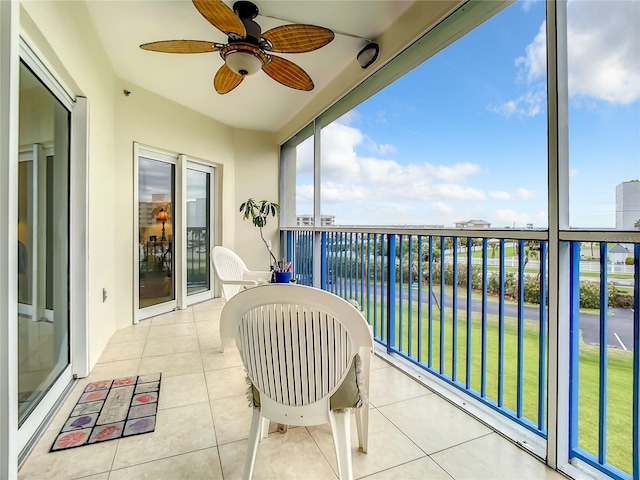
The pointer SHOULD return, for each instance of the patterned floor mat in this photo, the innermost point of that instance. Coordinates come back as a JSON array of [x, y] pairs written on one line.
[[112, 409]]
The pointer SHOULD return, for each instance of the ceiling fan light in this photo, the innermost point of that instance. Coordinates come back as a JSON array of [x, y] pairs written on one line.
[[243, 63], [368, 54]]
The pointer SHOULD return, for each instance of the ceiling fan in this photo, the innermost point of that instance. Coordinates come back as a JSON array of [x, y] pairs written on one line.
[[248, 49]]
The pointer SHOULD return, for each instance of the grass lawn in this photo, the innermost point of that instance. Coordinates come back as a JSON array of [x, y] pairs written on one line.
[[619, 379]]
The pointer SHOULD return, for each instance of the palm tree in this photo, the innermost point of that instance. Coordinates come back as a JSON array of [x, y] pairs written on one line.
[[637, 224]]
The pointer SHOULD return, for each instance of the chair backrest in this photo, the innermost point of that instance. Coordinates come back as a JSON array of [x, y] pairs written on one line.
[[297, 343], [228, 267]]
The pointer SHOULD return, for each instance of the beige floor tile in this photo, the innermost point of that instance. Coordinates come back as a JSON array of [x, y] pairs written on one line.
[[231, 418], [416, 470], [179, 316], [433, 423], [99, 476], [171, 331], [377, 363], [174, 364], [178, 430], [133, 333], [183, 390], [208, 327], [209, 341], [226, 382], [71, 463], [389, 385], [122, 351], [293, 455], [116, 369], [214, 359], [181, 344], [209, 305], [202, 464], [388, 446], [206, 315], [492, 458]]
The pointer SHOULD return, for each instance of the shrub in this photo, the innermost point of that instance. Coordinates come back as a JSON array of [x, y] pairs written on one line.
[[589, 294]]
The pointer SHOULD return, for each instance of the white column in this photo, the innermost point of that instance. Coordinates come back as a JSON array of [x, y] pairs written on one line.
[[317, 209], [79, 234], [559, 257], [9, 68]]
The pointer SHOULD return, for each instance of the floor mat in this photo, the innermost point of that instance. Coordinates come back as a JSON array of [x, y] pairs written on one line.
[[112, 409]]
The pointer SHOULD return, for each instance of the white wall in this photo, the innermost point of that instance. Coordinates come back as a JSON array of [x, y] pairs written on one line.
[[257, 174], [62, 34]]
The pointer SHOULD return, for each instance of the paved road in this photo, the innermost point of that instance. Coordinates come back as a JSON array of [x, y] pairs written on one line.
[[619, 322]]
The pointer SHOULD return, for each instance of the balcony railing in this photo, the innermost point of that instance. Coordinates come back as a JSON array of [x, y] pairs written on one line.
[[474, 313]]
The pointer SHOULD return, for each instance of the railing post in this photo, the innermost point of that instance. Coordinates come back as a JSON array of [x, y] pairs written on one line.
[[323, 260], [574, 347], [604, 345], [636, 362], [391, 292]]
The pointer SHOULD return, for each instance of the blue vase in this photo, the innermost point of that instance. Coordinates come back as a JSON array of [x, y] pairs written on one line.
[[283, 277]]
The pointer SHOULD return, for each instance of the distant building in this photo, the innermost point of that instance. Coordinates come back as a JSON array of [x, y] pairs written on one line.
[[627, 205], [306, 220], [473, 224], [618, 254]]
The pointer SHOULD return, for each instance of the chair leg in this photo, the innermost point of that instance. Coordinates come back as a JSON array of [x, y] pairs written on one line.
[[341, 431], [252, 444], [362, 423], [264, 430]]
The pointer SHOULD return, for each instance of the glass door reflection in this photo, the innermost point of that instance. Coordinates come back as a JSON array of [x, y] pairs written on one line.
[[43, 243], [198, 231], [155, 210]]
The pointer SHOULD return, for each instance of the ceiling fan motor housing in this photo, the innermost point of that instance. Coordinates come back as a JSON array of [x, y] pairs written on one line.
[[247, 11]]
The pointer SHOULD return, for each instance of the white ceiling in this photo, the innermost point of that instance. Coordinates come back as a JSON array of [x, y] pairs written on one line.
[[259, 103]]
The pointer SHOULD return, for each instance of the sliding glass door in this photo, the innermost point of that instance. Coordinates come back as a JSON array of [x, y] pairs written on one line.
[[174, 231], [43, 243], [198, 231], [156, 179]]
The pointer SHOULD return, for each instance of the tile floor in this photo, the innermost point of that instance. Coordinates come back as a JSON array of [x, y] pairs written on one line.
[[203, 421]]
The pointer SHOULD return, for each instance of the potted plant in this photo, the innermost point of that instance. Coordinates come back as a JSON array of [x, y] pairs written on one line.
[[258, 213]]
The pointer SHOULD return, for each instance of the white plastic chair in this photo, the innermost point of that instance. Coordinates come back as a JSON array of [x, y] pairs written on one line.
[[233, 273], [307, 354]]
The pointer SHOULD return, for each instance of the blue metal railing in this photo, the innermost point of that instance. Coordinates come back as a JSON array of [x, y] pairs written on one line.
[[612, 444], [477, 319]]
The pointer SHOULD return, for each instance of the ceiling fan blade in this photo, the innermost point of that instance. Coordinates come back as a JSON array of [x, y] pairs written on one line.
[[181, 46], [298, 38], [226, 80], [288, 73], [220, 16]]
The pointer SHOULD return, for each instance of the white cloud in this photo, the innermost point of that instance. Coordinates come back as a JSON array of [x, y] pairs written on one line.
[[378, 190], [533, 65], [441, 207], [603, 57], [379, 148], [573, 172], [604, 51], [528, 105], [519, 194], [504, 217]]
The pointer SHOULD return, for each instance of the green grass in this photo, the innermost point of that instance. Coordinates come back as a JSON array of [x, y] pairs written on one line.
[[619, 381]]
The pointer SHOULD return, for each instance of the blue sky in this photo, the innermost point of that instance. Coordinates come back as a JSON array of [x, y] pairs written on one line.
[[463, 136]]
